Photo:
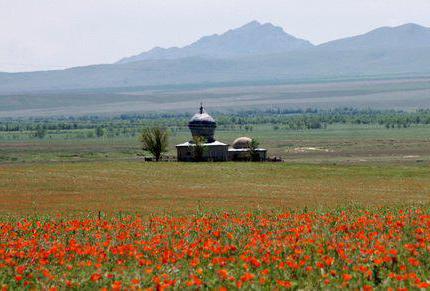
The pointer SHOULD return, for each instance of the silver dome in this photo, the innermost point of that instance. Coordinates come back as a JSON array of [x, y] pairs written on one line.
[[203, 125]]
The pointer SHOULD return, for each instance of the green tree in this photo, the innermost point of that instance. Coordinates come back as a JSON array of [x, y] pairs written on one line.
[[40, 132], [253, 146], [155, 140], [100, 131], [198, 148]]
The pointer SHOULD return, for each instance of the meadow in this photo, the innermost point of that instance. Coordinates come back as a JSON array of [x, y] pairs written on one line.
[[348, 208], [342, 163], [338, 143], [76, 188]]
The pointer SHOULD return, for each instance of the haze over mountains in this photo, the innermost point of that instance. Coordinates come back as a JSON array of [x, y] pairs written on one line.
[[257, 39], [407, 36], [251, 39], [253, 52]]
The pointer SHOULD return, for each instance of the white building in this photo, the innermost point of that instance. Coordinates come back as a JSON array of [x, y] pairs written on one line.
[[204, 147]]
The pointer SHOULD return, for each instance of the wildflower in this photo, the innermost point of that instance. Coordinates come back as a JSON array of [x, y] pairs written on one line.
[[116, 285], [223, 273], [286, 284], [135, 281], [95, 277], [347, 277], [247, 277], [329, 261], [20, 269], [423, 285], [414, 262]]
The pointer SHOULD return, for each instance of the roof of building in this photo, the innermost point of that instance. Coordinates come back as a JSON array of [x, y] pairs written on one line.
[[242, 143], [215, 143], [247, 150], [202, 117]]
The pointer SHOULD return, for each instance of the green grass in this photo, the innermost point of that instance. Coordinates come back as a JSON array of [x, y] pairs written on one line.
[[146, 188], [336, 144]]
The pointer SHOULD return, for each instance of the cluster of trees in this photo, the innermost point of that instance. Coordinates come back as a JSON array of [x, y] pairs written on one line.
[[316, 119], [286, 119]]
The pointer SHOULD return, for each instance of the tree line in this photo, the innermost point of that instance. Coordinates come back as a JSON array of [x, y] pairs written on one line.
[[279, 118]]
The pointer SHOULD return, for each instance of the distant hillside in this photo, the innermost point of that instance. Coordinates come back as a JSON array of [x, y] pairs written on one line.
[[254, 52], [251, 39], [291, 66], [406, 36]]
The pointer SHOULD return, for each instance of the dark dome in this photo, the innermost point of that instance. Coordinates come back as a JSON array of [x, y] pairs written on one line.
[[202, 125]]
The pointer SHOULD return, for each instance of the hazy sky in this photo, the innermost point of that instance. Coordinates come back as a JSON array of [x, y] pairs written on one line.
[[50, 34]]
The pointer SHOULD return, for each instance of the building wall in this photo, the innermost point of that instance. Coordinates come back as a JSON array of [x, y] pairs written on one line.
[[216, 153], [263, 155], [245, 155]]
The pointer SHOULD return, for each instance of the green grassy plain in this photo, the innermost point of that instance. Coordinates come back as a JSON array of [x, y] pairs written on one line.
[[331, 167], [337, 144], [179, 188]]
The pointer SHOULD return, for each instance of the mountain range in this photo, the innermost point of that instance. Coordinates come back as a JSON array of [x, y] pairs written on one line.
[[251, 39], [253, 52], [255, 38]]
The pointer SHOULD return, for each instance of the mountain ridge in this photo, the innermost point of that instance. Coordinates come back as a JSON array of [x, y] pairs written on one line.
[[409, 35], [258, 36], [251, 38]]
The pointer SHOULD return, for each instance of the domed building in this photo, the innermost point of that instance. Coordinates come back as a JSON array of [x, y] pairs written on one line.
[[204, 146], [243, 150], [202, 125], [242, 143]]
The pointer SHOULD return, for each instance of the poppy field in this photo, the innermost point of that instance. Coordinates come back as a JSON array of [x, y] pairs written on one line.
[[355, 247], [131, 225]]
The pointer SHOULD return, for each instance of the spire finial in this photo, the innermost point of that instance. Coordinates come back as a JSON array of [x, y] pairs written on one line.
[[201, 108]]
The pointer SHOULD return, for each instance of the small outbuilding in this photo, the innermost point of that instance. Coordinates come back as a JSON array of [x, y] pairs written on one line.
[[242, 151]]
